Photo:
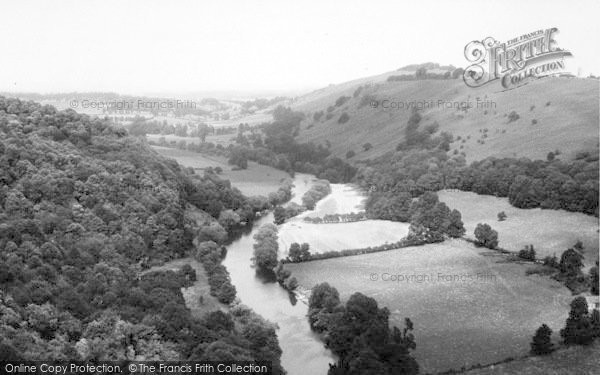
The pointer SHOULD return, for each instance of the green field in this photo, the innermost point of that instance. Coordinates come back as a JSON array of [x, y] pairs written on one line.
[[458, 320], [256, 180], [223, 139], [550, 231]]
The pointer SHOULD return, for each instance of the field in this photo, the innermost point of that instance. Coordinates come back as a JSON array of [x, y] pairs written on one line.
[[468, 305], [566, 361], [342, 200], [550, 231], [256, 180], [326, 237], [565, 111]]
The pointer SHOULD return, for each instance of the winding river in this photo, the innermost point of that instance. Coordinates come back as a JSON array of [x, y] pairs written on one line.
[[303, 351]]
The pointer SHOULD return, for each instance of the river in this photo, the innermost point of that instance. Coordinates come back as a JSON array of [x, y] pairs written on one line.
[[303, 351]]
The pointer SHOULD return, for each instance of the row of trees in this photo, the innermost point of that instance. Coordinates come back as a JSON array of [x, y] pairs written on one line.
[[338, 218]]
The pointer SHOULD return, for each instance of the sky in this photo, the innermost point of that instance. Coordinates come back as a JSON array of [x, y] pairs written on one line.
[[152, 46]]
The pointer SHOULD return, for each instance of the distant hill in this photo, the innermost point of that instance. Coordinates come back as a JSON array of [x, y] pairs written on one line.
[[553, 114]]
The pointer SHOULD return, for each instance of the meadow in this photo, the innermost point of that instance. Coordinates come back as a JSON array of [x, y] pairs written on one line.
[[550, 231], [468, 304], [328, 237], [257, 179]]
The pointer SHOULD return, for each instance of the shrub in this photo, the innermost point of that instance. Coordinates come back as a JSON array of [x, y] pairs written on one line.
[[343, 118], [367, 146], [528, 253], [513, 116], [341, 101], [350, 154], [534, 122], [501, 216], [317, 115]]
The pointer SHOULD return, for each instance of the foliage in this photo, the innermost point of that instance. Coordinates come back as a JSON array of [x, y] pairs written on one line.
[[486, 236], [528, 253], [358, 333], [542, 341], [266, 247], [84, 208]]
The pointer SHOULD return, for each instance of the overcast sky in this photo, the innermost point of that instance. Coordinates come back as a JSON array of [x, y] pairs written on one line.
[[149, 46]]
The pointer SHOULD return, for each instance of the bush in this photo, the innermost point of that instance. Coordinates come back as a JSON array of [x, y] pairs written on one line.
[[367, 146], [528, 253], [513, 116], [341, 101], [350, 154], [501, 216], [343, 118]]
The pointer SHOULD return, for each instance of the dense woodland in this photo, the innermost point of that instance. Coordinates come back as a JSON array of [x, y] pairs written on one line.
[[84, 209]]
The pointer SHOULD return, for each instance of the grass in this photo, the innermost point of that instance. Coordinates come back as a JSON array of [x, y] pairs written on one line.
[[569, 123], [550, 231], [256, 180], [327, 237], [480, 320], [566, 361], [342, 200]]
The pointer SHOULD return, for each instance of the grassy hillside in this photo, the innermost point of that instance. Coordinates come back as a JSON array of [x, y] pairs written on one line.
[[565, 111]]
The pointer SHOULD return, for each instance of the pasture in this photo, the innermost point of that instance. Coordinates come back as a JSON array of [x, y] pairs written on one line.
[[256, 180], [468, 305], [550, 231]]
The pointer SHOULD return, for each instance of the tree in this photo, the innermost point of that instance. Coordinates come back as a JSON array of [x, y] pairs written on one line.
[[367, 146], [570, 263], [266, 247], [486, 236], [501, 216], [542, 341], [279, 215], [578, 327], [350, 154], [294, 253]]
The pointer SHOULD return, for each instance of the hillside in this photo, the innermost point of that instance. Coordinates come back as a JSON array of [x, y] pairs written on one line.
[[84, 208], [554, 113]]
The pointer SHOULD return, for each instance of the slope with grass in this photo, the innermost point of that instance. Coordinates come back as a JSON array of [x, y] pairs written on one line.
[[554, 113]]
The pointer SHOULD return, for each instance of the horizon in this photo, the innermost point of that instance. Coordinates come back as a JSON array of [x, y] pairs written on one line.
[[283, 48]]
